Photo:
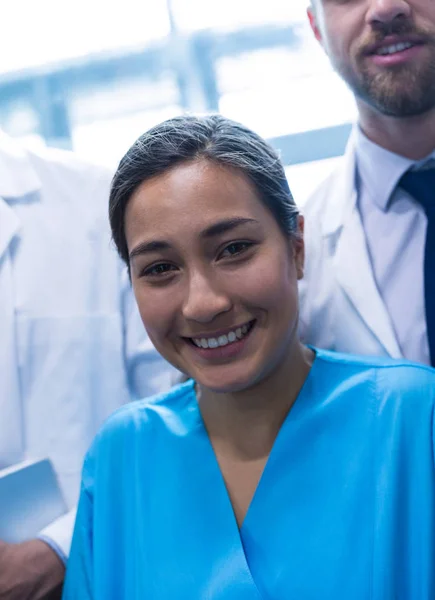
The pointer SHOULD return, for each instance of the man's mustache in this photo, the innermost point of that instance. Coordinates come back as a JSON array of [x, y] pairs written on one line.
[[395, 28]]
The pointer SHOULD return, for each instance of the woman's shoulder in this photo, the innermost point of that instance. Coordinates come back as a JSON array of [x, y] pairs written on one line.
[[377, 362], [132, 434], [386, 378], [142, 417], [142, 411]]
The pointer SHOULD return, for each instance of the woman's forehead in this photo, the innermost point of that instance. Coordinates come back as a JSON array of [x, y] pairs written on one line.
[[195, 191], [180, 206]]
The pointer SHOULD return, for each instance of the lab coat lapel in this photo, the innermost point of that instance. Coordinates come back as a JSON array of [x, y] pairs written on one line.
[[352, 264], [9, 226], [11, 435], [355, 275]]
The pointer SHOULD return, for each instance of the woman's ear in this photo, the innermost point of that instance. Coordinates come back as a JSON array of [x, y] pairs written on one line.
[[313, 24], [299, 248]]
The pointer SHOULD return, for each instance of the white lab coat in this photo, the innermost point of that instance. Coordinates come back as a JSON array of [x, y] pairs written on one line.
[[341, 308], [81, 349]]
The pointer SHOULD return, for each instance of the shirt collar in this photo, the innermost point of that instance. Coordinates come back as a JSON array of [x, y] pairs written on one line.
[[17, 175], [380, 169]]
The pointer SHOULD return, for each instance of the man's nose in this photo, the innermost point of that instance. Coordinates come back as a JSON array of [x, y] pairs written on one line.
[[386, 12]]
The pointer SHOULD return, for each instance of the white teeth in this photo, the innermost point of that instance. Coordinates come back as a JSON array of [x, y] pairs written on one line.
[[222, 340], [394, 48]]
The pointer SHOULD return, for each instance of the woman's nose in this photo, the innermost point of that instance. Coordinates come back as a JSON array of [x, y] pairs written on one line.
[[204, 300]]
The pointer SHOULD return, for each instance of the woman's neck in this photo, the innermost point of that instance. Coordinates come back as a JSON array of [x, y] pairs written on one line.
[[248, 422]]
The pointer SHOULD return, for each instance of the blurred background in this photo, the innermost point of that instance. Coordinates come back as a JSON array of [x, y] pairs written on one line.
[[92, 75]]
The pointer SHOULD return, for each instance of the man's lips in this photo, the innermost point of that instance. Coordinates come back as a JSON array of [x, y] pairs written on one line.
[[393, 40]]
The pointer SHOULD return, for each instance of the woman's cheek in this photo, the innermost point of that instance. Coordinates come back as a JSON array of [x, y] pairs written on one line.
[[156, 306], [267, 281]]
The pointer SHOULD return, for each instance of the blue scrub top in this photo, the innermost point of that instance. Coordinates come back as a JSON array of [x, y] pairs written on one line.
[[345, 508]]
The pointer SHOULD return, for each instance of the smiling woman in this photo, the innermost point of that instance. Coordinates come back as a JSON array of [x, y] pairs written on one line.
[[208, 259], [213, 241], [274, 461]]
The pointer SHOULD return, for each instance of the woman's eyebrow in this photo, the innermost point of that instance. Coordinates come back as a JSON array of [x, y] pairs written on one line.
[[225, 225], [148, 247]]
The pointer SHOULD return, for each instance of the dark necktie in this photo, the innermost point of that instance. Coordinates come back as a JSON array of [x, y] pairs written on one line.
[[421, 186]]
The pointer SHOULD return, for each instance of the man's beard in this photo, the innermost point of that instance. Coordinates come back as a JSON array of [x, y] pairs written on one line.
[[397, 91]]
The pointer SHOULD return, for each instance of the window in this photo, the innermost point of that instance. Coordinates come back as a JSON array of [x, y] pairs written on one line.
[[92, 75]]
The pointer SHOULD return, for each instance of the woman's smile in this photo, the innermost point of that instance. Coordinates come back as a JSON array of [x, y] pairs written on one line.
[[223, 345]]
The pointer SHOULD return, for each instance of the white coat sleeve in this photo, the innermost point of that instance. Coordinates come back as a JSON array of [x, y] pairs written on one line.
[[58, 534]]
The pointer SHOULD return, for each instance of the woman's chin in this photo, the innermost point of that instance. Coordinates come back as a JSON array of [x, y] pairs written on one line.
[[223, 385], [236, 375]]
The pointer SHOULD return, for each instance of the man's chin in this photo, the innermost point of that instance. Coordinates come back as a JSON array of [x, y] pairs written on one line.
[[402, 93], [396, 98], [400, 105]]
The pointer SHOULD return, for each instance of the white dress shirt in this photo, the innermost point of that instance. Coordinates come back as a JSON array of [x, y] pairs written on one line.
[[395, 228], [72, 346]]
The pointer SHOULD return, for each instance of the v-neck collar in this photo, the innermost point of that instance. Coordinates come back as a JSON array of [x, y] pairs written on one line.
[[228, 539], [303, 402]]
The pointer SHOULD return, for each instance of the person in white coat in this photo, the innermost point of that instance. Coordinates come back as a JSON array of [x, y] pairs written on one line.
[[370, 265], [72, 346]]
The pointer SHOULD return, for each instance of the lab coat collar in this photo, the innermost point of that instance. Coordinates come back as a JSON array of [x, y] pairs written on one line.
[[17, 175], [344, 201]]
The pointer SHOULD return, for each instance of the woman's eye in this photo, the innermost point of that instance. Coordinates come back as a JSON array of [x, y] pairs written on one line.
[[158, 270], [235, 248]]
